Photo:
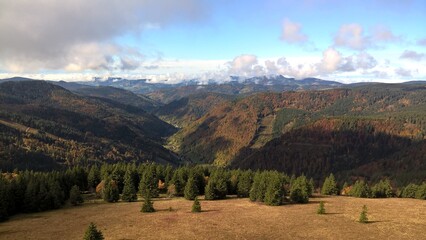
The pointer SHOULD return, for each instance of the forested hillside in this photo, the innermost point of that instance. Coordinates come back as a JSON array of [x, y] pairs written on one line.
[[44, 126], [367, 131]]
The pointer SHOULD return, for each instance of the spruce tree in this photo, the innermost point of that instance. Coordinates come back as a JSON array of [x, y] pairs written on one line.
[[75, 196], [209, 191], [149, 181], [244, 184], [421, 192], [110, 192], [196, 206], [4, 199], [363, 215], [94, 177], [129, 191], [360, 189], [329, 186], [147, 205], [321, 209], [92, 233], [274, 191], [299, 190], [191, 189]]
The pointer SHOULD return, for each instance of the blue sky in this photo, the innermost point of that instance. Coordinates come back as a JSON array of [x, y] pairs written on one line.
[[168, 40]]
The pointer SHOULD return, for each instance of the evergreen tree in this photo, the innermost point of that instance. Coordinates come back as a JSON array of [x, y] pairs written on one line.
[[329, 186], [196, 206], [56, 194], [4, 199], [191, 189], [410, 191], [363, 215], [360, 189], [321, 209], [421, 192], [129, 191], [299, 190], [147, 205], [75, 196], [149, 181], [244, 184], [382, 189], [110, 192], [92, 233], [274, 191], [209, 191], [311, 187], [94, 177], [255, 187]]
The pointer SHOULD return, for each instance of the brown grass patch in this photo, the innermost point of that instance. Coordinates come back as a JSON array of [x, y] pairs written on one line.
[[228, 219]]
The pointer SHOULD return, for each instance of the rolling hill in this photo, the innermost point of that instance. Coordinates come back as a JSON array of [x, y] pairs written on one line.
[[44, 126]]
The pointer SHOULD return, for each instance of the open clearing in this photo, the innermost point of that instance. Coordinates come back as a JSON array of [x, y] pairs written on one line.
[[228, 219]]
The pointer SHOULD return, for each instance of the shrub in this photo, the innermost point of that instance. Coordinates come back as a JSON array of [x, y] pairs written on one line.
[[321, 209], [75, 196], [196, 207], [363, 215], [92, 233]]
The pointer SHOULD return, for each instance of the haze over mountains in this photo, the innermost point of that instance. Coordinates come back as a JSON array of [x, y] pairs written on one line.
[[305, 126]]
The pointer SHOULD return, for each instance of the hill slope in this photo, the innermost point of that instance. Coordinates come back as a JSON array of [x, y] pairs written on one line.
[[313, 132], [85, 129]]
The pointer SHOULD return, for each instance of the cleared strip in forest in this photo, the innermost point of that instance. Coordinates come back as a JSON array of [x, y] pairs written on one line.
[[26, 129]]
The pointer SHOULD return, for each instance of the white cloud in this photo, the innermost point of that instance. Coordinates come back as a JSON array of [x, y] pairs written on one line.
[[351, 36], [292, 33], [244, 65], [39, 35], [412, 55], [330, 61]]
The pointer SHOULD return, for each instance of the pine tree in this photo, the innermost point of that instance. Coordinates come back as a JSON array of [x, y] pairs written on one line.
[[311, 187], [75, 196], [360, 189], [421, 192], [92, 233], [149, 181], [110, 192], [209, 191], [321, 209], [329, 186], [4, 199], [147, 205], [244, 184], [299, 190], [191, 189], [94, 177], [196, 207], [363, 215], [129, 191], [274, 191]]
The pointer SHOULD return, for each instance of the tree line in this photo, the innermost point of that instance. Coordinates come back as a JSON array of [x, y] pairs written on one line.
[[29, 191]]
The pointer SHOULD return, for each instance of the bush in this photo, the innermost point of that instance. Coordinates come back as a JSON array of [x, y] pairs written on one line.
[[92, 233], [329, 186], [363, 215], [196, 207], [75, 196], [321, 209]]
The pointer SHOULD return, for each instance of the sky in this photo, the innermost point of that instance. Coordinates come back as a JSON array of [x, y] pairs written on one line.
[[172, 41]]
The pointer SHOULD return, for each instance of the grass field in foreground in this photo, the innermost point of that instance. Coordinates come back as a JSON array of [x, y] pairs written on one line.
[[228, 219]]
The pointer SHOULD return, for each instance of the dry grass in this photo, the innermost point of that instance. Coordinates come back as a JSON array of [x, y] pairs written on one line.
[[228, 219]]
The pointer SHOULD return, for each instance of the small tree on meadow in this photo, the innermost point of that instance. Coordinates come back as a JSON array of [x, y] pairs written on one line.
[[329, 186], [75, 196], [148, 205], [92, 233], [321, 209], [196, 207], [363, 215]]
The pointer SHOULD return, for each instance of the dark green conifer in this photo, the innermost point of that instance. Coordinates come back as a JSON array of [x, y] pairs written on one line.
[[321, 209], [148, 205], [363, 215], [129, 191], [75, 196], [196, 206], [191, 189], [329, 186], [92, 233]]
